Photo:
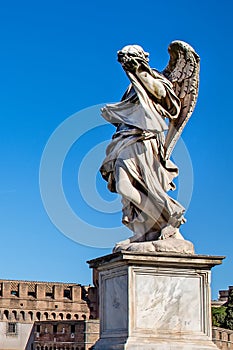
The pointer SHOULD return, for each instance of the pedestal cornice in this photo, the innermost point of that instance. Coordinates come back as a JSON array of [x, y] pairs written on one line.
[[157, 259]]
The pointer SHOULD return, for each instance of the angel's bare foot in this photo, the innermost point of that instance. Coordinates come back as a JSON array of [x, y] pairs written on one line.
[[126, 241]]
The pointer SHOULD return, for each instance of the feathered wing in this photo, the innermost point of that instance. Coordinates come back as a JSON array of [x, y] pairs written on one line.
[[183, 71]]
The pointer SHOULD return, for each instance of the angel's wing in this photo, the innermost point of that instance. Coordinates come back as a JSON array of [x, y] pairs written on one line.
[[183, 71]]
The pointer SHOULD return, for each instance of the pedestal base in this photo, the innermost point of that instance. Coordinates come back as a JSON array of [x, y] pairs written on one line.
[[154, 301], [138, 344]]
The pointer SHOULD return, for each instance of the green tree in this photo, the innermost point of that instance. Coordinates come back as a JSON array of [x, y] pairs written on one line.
[[229, 311], [219, 316]]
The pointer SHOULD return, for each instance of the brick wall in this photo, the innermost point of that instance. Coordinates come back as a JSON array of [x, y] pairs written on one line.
[[41, 301], [69, 335]]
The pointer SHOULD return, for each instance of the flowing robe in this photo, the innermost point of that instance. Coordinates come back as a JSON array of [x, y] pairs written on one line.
[[137, 147]]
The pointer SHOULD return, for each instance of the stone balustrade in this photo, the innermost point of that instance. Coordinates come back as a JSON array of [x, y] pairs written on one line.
[[223, 338]]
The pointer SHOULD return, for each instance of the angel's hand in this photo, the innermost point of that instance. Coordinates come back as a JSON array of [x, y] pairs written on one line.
[[131, 64]]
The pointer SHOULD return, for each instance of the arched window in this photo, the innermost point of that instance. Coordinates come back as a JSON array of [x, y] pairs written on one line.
[[22, 314], [46, 315], [6, 314], [76, 316], [14, 315], [91, 317], [53, 315], [38, 315], [30, 314], [38, 348], [61, 316], [68, 316], [84, 317]]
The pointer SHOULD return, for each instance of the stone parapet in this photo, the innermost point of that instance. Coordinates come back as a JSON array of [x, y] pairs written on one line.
[[223, 338]]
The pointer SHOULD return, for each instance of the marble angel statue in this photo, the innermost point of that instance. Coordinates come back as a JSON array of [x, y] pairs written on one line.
[[149, 120]]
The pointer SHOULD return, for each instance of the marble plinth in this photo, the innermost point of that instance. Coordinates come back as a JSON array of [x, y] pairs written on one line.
[[154, 301]]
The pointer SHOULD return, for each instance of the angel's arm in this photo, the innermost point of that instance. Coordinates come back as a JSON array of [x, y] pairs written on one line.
[[153, 85]]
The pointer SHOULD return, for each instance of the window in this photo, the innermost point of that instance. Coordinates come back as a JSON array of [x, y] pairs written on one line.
[[67, 293], [49, 294], [15, 293], [32, 294], [12, 328], [22, 313], [14, 315], [54, 328], [38, 328], [6, 314], [72, 328]]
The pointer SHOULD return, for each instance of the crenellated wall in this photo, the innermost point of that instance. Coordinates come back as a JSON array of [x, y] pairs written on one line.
[[37, 301], [25, 303]]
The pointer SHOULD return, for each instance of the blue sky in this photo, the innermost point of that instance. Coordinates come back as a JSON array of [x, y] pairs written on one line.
[[58, 58]]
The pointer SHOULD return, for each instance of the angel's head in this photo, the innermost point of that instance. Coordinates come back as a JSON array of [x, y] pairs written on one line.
[[132, 53]]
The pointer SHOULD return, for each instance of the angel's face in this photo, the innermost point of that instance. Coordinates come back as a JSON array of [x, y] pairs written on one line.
[[130, 54]]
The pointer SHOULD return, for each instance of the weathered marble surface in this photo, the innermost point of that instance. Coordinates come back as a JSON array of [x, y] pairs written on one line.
[[154, 301], [170, 245], [116, 303], [166, 308]]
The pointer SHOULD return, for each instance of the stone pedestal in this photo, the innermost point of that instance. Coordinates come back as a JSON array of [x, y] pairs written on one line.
[[154, 301]]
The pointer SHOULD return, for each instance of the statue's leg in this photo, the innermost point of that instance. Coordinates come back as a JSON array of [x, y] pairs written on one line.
[[124, 186], [158, 212]]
